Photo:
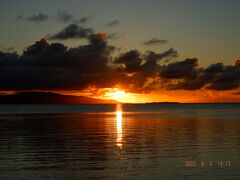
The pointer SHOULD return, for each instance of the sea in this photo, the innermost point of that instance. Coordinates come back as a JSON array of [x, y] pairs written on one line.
[[120, 141]]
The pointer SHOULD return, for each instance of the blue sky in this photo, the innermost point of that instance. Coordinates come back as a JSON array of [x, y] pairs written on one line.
[[206, 29]]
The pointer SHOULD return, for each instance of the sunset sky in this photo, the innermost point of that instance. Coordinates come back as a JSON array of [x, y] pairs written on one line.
[[128, 50]]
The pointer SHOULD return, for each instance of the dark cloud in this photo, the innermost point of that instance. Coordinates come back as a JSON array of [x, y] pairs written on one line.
[[191, 77], [72, 31], [153, 56], [84, 19], [155, 41], [131, 60], [8, 59], [54, 66], [180, 70], [113, 23], [67, 17], [37, 18], [215, 68], [37, 48], [152, 59], [145, 64], [228, 79], [64, 16]]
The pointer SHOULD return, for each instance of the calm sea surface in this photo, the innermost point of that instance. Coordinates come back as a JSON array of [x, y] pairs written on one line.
[[148, 141]]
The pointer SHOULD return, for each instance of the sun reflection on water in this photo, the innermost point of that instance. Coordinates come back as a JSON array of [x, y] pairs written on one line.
[[119, 125]]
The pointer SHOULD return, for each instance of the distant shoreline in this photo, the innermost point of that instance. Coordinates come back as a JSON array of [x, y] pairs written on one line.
[[55, 98]]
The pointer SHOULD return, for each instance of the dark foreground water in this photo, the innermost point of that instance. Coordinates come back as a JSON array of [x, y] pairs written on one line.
[[154, 141]]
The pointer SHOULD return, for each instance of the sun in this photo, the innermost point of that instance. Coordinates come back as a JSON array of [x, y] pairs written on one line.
[[120, 95], [117, 94]]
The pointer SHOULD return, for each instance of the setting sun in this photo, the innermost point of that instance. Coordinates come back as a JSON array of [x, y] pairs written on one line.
[[117, 94]]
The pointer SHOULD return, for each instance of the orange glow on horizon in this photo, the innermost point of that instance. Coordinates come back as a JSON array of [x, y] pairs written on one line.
[[117, 94], [181, 96], [121, 95]]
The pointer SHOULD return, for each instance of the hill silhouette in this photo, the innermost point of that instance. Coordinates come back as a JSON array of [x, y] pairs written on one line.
[[50, 98]]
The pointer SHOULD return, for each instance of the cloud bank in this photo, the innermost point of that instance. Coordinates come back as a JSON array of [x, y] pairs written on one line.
[[113, 23], [54, 66], [155, 41], [36, 18], [72, 31], [66, 17]]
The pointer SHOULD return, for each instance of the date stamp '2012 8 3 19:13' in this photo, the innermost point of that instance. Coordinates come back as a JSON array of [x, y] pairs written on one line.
[[208, 163]]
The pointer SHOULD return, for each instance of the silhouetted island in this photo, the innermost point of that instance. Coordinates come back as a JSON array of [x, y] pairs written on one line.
[[50, 98], [163, 103]]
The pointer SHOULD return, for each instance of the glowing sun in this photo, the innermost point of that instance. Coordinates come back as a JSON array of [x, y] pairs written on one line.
[[117, 94]]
